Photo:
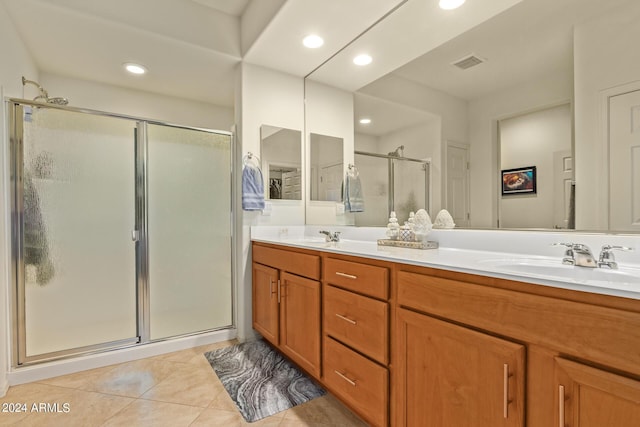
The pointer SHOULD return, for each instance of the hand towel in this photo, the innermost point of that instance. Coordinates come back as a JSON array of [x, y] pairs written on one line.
[[252, 188], [353, 198]]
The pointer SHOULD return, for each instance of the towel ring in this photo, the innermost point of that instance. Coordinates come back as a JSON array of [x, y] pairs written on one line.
[[250, 157]]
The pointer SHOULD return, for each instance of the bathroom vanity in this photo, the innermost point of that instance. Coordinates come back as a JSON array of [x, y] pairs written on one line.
[[415, 338]]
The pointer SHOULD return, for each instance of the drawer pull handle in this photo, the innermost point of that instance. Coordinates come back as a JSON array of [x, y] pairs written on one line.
[[344, 377], [346, 319], [561, 406], [506, 376], [348, 276]]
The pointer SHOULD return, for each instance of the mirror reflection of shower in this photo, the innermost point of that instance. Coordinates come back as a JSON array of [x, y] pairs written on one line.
[[44, 95], [405, 187]]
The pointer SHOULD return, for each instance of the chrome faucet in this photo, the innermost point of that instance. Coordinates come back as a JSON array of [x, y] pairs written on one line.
[[607, 259], [329, 236], [578, 254]]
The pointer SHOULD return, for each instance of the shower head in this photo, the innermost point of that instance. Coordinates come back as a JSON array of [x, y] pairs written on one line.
[[44, 95], [398, 152], [58, 101]]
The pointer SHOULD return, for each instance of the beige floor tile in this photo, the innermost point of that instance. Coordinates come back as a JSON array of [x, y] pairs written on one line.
[[193, 354], [78, 379], [323, 411], [157, 414], [131, 379], [189, 384], [224, 402], [79, 408]]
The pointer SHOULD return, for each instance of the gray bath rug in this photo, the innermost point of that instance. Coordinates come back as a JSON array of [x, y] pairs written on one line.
[[260, 381]]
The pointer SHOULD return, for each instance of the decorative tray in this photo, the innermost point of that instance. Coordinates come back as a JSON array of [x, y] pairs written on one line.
[[407, 244]]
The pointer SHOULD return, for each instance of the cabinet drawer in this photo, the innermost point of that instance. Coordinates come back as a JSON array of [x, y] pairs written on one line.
[[361, 383], [294, 262], [365, 279], [358, 321]]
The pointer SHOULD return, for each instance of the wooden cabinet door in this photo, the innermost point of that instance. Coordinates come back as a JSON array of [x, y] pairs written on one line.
[[265, 302], [590, 397], [300, 321], [451, 376]]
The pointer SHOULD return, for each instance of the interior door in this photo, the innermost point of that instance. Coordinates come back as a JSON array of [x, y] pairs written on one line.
[[458, 183], [563, 181], [624, 162]]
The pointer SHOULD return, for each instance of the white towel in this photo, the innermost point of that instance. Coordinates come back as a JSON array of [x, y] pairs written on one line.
[[252, 188]]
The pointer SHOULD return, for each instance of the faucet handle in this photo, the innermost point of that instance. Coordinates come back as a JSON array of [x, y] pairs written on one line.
[[569, 258], [607, 259]]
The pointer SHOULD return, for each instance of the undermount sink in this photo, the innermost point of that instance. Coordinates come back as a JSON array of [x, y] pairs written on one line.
[[556, 270]]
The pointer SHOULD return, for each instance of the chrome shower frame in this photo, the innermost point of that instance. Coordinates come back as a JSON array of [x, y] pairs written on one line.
[[19, 358], [391, 174]]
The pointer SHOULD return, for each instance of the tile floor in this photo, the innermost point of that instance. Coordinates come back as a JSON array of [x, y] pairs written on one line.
[[174, 390]]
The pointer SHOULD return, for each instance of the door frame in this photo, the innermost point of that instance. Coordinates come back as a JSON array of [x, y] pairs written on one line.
[[450, 143], [605, 143]]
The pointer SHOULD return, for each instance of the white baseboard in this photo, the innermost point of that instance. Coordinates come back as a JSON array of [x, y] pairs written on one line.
[[45, 370], [4, 386]]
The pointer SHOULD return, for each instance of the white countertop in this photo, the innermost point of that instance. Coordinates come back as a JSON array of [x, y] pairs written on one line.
[[547, 270]]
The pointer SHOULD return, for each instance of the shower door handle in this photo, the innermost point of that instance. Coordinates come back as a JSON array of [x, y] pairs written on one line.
[[135, 235]]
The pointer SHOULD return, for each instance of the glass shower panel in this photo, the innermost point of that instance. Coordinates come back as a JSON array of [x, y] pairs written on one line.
[[410, 188], [189, 230], [374, 177], [78, 200]]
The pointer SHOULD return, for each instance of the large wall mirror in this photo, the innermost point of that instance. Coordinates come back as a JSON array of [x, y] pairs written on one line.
[[281, 162], [538, 83]]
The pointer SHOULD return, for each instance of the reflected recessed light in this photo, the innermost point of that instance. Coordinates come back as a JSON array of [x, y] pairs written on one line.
[[363, 59], [451, 4], [365, 121], [134, 68], [312, 41]]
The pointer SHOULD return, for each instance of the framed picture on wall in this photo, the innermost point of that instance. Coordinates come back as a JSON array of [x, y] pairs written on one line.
[[519, 181]]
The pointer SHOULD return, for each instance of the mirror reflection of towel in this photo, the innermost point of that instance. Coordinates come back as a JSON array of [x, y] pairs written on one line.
[[353, 198]]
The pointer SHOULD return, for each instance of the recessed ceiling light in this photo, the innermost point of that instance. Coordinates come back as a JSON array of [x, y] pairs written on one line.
[[134, 68], [365, 121], [451, 4], [363, 59], [313, 41]]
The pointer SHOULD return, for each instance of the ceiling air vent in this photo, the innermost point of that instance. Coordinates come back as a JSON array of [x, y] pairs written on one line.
[[468, 61]]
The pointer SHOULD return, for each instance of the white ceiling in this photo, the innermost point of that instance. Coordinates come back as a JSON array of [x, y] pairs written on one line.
[[231, 7], [532, 39], [190, 47]]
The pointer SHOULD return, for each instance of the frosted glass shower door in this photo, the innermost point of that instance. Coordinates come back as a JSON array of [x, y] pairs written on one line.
[[411, 192], [189, 230], [78, 213]]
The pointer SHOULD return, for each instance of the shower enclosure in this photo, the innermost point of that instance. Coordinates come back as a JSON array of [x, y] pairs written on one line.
[[121, 231], [391, 182]]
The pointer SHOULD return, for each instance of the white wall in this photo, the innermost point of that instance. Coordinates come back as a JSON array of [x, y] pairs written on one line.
[[483, 139], [531, 140], [329, 111], [605, 52], [109, 98], [452, 110], [16, 62], [263, 97]]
